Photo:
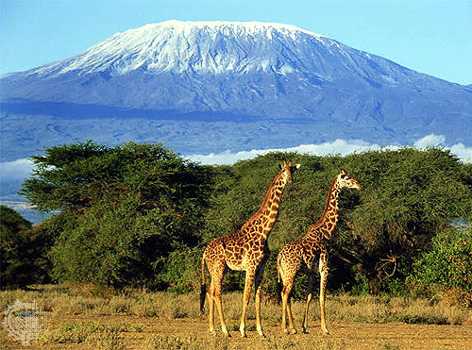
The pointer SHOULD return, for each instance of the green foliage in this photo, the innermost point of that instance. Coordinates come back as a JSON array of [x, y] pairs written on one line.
[[24, 249], [140, 214], [65, 176], [449, 262], [128, 208], [181, 272], [14, 257], [407, 197]]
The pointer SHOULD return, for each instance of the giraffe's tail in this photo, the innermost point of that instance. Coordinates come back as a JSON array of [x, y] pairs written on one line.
[[279, 280], [202, 286], [279, 276]]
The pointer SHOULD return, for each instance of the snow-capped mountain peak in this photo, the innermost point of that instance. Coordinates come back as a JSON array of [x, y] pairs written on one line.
[[203, 47], [208, 85]]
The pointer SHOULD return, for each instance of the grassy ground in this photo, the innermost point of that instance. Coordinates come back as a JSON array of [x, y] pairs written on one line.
[[84, 317]]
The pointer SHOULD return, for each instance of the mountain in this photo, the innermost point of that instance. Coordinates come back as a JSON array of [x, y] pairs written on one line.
[[209, 86]]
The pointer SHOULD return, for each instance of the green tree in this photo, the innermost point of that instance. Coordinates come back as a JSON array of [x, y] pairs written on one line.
[[128, 207], [14, 258], [409, 196]]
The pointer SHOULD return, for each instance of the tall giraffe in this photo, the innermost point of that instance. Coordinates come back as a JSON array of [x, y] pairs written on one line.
[[305, 249], [244, 250]]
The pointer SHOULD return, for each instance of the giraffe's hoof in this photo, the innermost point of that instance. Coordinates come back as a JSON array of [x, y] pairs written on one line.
[[285, 331], [325, 332], [293, 331], [306, 331], [262, 335], [242, 330]]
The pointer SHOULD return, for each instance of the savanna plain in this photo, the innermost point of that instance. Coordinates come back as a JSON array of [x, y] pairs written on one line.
[[87, 317]]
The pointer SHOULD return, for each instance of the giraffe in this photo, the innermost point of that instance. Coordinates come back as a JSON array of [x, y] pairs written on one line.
[[243, 250], [304, 249]]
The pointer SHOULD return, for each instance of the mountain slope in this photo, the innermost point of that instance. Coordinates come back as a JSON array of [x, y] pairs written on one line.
[[210, 75]]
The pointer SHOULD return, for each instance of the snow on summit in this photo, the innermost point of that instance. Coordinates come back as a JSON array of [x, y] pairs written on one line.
[[205, 47]]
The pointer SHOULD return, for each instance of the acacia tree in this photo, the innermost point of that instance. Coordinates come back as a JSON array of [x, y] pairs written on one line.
[[127, 208]]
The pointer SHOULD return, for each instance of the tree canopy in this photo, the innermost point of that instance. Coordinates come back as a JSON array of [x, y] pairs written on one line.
[[139, 214]]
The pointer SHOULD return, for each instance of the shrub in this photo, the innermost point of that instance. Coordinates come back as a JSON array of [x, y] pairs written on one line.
[[448, 264], [14, 249], [181, 271]]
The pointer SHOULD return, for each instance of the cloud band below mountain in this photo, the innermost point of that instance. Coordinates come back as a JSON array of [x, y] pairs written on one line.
[[22, 168], [337, 147]]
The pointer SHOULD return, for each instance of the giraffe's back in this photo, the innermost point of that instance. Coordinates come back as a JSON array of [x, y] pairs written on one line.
[[237, 250]]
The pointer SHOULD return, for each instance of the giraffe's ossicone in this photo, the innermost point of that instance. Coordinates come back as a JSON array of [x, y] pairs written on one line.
[[305, 249], [243, 250]]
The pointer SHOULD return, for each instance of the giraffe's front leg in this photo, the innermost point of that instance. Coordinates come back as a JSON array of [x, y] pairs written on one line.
[[323, 269], [258, 300], [246, 296]]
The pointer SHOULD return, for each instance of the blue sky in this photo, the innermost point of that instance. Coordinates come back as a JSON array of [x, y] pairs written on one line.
[[430, 36]]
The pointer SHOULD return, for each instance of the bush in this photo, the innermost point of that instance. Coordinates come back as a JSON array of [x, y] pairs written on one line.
[[448, 264], [14, 249], [181, 271]]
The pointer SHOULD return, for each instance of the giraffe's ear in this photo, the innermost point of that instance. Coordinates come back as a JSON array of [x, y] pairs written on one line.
[[343, 172], [281, 165]]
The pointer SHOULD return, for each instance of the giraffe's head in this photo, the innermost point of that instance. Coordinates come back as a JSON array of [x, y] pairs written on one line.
[[346, 181], [287, 169]]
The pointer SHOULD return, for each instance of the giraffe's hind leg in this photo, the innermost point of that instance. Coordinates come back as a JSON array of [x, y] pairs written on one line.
[[217, 271], [286, 310], [311, 280], [250, 275], [211, 305], [291, 325]]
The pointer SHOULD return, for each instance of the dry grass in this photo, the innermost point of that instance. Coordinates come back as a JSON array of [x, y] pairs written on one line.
[[86, 317]]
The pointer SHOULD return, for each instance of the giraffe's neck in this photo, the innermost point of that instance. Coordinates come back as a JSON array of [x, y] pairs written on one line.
[[264, 219], [325, 226]]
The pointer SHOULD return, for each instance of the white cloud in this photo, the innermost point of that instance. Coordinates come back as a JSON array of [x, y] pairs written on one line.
[[22, 168], [339, 146], [463, 152], [17, 169], [431, 140]]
